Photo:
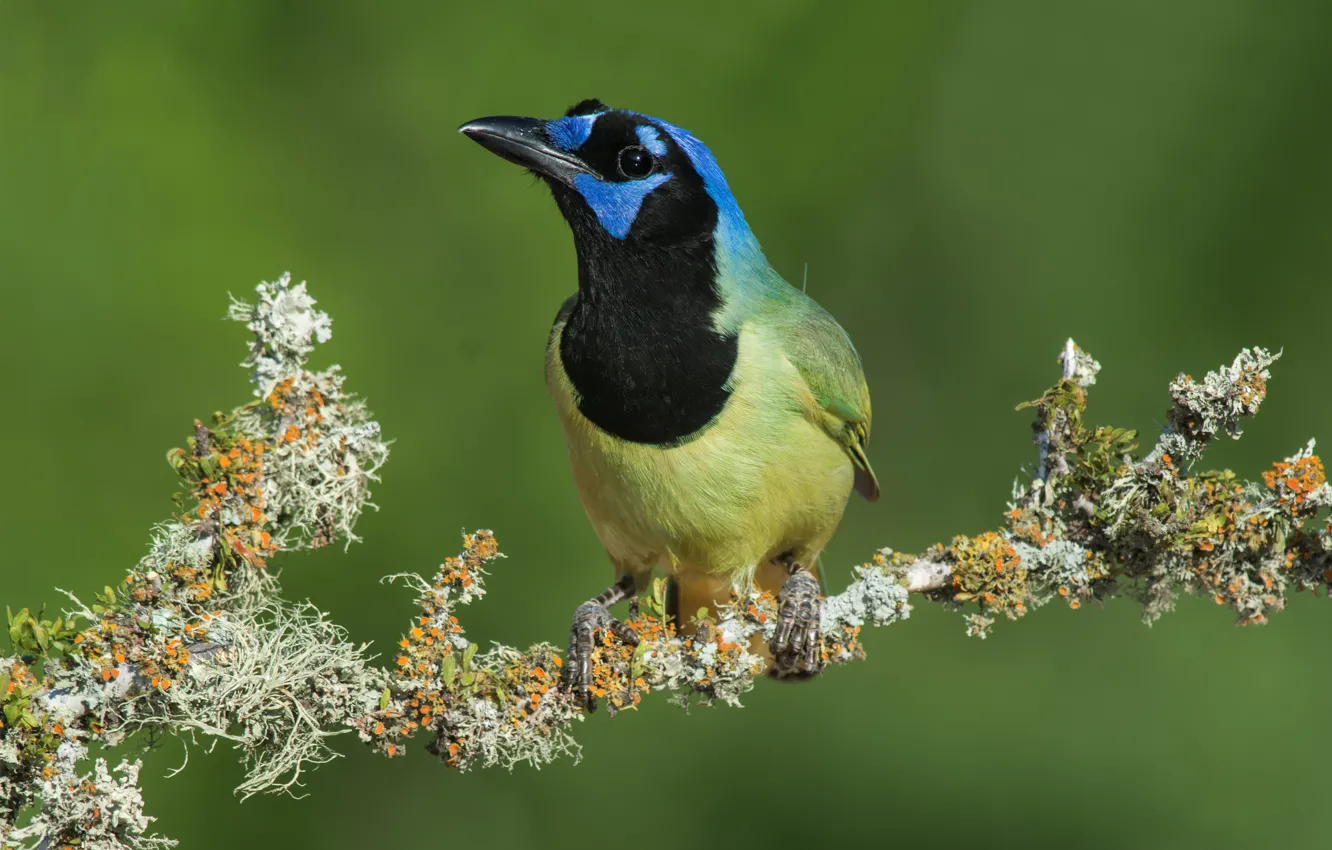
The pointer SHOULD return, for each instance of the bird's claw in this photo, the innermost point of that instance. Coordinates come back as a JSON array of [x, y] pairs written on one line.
[[797, 645], [591, 620]]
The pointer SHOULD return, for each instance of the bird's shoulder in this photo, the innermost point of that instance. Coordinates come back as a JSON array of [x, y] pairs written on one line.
[[822, 352]]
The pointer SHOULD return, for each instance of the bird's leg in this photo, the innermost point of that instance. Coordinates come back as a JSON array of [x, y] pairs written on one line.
[[591, 618], [797, 645]]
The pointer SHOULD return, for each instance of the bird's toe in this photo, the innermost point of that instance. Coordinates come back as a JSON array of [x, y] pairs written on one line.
[[591, 620], [798, 642]]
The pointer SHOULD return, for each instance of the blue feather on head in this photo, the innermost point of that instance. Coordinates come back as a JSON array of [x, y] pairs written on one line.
[[618, 203]]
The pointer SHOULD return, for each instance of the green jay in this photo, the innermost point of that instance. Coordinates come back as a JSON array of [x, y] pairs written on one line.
[[716, 417]]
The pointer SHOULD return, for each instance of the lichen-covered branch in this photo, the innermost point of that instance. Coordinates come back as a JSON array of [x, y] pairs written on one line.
[[1097, 521], [197, 641]]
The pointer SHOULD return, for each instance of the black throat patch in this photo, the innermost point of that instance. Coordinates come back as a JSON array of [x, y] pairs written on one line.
[[639, 342]]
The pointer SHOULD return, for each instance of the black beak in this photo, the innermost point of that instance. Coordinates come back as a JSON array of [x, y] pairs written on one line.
[[524, 141]]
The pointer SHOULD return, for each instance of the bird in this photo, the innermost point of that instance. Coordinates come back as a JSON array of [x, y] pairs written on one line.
[[716, 418]]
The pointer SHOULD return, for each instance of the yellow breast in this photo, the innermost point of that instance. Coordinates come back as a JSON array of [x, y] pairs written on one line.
[[761, 480]]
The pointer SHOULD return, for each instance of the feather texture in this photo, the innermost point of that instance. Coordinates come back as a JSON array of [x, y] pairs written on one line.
[[717, 419]]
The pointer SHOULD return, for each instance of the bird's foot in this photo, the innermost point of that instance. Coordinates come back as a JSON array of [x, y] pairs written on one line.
[[591, 621], [798, 643]]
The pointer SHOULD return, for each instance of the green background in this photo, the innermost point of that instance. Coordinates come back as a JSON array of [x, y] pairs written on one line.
[[968, 182]]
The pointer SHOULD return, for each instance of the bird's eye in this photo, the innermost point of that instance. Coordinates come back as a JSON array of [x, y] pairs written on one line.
[[636, 163]]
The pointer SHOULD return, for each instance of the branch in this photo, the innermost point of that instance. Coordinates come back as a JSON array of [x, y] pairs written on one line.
[[197, 640]]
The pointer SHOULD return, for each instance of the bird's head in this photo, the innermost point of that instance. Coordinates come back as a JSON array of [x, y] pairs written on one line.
[[625, 181]]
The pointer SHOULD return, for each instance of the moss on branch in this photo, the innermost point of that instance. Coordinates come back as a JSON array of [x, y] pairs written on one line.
[[197, 640]]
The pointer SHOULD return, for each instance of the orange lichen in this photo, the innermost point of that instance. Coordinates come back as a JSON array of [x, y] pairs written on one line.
[[987, 569], [613, 668], [1294, 482]]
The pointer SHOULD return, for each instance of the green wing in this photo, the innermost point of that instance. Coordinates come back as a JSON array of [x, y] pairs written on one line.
[[827, 360]]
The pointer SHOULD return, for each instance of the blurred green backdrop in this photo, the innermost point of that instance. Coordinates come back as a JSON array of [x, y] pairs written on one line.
[[969, 183]]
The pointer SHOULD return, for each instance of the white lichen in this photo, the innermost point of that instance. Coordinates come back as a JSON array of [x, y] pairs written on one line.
[[286, 329], [197, 642], [877, 597], [1218, 405], [1079, 366], [102, 810]]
